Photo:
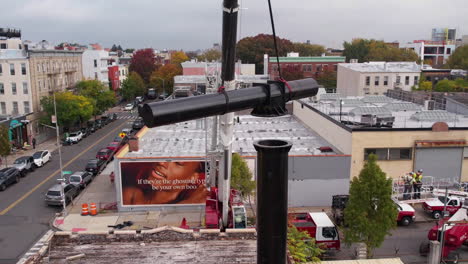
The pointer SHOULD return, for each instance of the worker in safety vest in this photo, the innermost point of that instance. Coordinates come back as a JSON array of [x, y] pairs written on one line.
[[417, 183], [408, 185]]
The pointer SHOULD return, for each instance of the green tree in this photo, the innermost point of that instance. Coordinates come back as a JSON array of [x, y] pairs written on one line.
[[71, 109], [210, 55], [167, 73], [424, 86], [308, 50], [133, 86], [302, 247], [459, 58], [129, 50], [375, 50], [252, 49], [98, 93], [370, 213], [5, 145], [327, 79], [457, 85], [241, 177]]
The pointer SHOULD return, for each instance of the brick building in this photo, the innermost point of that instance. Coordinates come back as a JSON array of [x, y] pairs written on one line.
[[312, 67]]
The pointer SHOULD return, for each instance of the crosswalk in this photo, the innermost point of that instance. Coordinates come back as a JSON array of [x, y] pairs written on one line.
[[127, 115]]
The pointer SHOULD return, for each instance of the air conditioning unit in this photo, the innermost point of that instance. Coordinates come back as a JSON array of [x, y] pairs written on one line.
[[429, 105]]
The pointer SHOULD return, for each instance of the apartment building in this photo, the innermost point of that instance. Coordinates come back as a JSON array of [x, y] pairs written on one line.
[[95, 65], [52, 71], [434, 53], [375, 78]]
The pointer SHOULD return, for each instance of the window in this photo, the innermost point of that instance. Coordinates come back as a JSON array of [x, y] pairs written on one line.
[[38, 67], [95, 76], [2, 88], [26, 107], [12, 69], [385, 80], [1, 70], [398, 79], [367, 80], [13, 88], [389, 153], [449, 50], [3, 46], [319, 67], [95, 63], [325, 67], [19, 46], [377, 79], [335, 67], [406, 80], [275, 68], [3, 106], [416, 80], [307, 67], [23, 68], [15, 107], [25, 88], [39, 83]]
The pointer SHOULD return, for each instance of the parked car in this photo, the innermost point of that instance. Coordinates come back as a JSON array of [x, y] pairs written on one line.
[[105, 154], [95, 166], [41, 157], [435, 207], [24, 164], [91, 126], [105, 119], [129, 107], [81, 179], [163, 96], [75, 137], [9, 176], [85, 131], [120, 140], [55, 196], [114, 146], [98, 124], [139, 99], [128, 131], [138, 124], [113, 117]]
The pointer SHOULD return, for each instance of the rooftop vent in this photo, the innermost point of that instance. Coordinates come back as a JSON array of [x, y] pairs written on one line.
[[325, 149]]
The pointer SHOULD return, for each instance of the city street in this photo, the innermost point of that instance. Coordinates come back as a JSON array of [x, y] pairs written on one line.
[[24, 217]]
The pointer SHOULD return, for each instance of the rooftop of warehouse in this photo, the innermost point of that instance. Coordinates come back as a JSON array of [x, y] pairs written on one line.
[[381, 66], [188, 139], [309, 59], [355, 111]]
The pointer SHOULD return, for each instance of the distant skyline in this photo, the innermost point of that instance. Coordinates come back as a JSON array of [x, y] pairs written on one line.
[[192, 25]]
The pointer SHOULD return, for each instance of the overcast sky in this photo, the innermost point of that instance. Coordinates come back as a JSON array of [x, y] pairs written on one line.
[[196, 24]]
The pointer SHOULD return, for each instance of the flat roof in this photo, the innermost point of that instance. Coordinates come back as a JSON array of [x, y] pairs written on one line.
[[310, 59], [381, 66], [188, 139], [202, 78], [406, 114]]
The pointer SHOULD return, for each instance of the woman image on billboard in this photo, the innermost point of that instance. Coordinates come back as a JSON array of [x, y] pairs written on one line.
[[175, 182]]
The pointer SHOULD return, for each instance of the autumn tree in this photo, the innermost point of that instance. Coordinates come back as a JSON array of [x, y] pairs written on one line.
[[133, 86], [98, 93], [459, 58], [308, 50], [327, 79], [5, 146], [210, 55], [143, 62], [252, 49], [292, 73], [178, 57], [370, 212], [302, 247], [71, 109], [166, 73]]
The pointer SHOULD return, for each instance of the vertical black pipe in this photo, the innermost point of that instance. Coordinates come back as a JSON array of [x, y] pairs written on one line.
[[230, 11], [272, 200]]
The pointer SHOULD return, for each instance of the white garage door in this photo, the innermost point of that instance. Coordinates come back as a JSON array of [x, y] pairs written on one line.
[[441, 163]]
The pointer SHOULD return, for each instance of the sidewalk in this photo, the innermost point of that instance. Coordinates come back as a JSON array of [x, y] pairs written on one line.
[[50, 145]]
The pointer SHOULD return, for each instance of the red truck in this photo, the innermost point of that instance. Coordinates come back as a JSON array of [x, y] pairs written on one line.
[[455, 235], [319, 226], [406, 213], [435, 207], [237, 215]]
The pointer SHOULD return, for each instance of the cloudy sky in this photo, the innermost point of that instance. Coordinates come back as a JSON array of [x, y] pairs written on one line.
[[196, 24]]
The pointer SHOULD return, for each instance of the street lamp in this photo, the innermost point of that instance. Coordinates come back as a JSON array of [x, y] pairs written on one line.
[[341, 105], [62, 179]]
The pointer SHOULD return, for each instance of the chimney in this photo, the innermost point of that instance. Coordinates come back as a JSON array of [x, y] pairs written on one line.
[[133, 144], [265, 64], [272, 189]]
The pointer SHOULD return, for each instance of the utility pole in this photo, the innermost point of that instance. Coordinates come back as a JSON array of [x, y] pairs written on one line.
[[62, 179]]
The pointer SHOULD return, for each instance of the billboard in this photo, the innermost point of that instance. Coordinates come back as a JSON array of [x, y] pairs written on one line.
[[163, 183]]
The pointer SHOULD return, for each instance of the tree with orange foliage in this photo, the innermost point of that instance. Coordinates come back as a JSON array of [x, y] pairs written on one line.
[[178, 57], [166, 73]]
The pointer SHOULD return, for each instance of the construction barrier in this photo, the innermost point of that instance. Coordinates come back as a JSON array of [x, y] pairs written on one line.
[[92, 209], [84, 209]]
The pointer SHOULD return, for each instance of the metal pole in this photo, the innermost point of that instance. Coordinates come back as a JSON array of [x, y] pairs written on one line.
[[445, 202], [62, 184], [341, 103]]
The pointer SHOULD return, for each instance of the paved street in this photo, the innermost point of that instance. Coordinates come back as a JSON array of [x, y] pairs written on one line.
[[24, 217]]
